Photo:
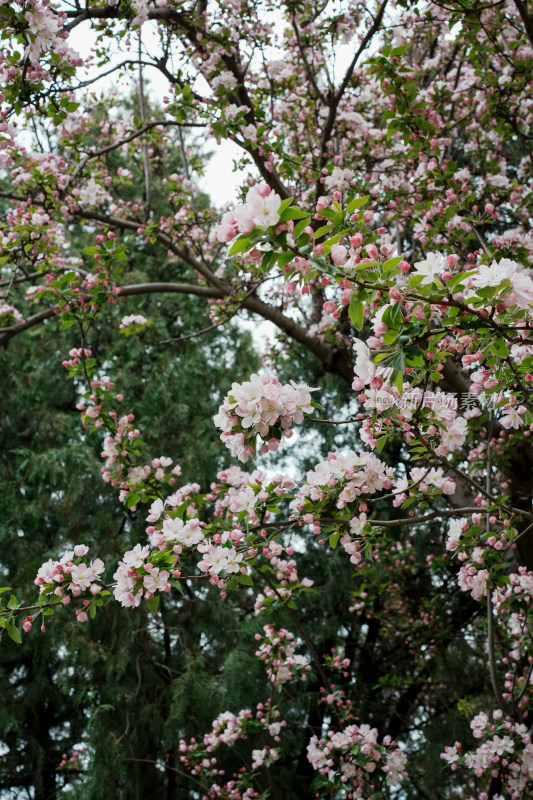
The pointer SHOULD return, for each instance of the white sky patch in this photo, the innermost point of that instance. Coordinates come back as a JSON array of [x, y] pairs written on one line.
[[219, 180]]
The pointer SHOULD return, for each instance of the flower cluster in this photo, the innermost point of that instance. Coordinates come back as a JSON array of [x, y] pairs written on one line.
[[228, 729], [44, 26], [345, 476], [506, 751], [70, 577], [349, 759], [133, 323], [416, 412], [136, 578], [9, 314], [261, 407], [278, 651], [261, 209], [72, 763], [478, 548]]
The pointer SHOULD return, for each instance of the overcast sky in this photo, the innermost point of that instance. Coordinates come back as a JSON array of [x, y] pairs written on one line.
[[219, 181]]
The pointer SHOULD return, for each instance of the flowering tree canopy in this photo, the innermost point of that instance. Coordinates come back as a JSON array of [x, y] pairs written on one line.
[[383, 228]]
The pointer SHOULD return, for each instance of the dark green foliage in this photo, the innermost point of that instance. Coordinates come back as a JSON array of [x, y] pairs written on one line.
[[109, 685]]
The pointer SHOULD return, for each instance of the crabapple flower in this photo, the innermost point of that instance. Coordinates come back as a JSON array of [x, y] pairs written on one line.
[[432, 266], [261, 209], [494, 274], [263, 204], [455, 530], [278, 651], [9, 315], [513, 417], [132, 323], [70, 577], [261, 407], [522, 290], [92, 194]]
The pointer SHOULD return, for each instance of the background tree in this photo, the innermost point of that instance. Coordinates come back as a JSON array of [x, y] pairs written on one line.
[[415, 146]]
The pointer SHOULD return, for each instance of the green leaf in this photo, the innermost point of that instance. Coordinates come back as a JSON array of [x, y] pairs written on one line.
[[132, 499], [155, 558], [398, 380], [13, 602], [177, 585], [153, 603], [240, 244], [301, 226], [393, 316], [67, 321], [398, 361], [268, 260], [499, 348], [359, 202], [334, 540], [356, 310], [285, 258], [381, 442], [322, 231], [14, 633], [284, 204], [245, 580], [293, 213], [327, 213], [391, 263]]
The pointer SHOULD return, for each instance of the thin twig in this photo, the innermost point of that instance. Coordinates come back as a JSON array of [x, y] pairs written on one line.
[[146, 158], [492, 659]]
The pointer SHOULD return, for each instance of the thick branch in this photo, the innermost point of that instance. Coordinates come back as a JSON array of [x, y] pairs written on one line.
[[527, 18], [175, 288], [8, 333], [334, 360]]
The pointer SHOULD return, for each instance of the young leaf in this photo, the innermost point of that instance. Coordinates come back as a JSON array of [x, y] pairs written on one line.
[[153, 603], [14, 633], [240, 244], [334, 540], [356, 310]]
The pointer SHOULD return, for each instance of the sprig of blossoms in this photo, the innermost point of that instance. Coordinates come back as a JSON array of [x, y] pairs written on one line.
[[506, 751], [136, 578], [347, 476], [261, 209], [278, 651], [133, 323], [261, 407], [352, 760], [70, 577], [9, 314]]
